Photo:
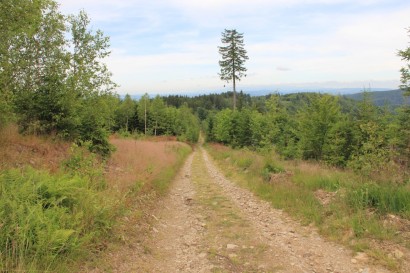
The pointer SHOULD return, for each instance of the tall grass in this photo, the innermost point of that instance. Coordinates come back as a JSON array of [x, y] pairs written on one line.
[[162, 181], [357, 209], [384, 198]]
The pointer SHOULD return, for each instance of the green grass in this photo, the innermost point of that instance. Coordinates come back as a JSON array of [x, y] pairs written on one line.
[[314, 182], [161, 183], [384, 198], [356, 212]]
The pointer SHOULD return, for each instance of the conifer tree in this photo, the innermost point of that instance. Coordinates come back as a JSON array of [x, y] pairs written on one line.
[[233, 58], [405, 71], [404, 114]]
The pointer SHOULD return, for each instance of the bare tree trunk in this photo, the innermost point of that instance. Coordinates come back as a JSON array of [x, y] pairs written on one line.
[[234, 87], [145, 114]]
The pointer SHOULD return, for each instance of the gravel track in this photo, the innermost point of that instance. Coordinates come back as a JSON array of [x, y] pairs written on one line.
[[207, 223]]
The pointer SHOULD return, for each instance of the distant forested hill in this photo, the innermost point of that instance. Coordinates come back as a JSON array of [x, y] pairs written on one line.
[[394, 98]]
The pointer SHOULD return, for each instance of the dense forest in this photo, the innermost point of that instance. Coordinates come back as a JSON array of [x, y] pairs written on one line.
[[392, 98], [334, 129]]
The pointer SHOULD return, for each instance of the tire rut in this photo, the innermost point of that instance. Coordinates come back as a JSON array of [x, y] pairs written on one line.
[[206, 223], [177, 233]]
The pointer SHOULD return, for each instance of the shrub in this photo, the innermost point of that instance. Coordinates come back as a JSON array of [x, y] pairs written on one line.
[[271, 168], [83, 163]]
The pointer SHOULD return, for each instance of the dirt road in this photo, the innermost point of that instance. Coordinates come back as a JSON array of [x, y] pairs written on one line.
[[208, 224]]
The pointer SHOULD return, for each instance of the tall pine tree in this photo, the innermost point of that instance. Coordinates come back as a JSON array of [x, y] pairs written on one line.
[[233, 58]]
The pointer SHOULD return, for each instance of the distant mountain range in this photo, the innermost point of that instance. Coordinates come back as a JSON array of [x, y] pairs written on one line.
[[392, 98], [380, 97]]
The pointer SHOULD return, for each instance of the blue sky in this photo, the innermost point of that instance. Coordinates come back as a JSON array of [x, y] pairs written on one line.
[[171, 46]]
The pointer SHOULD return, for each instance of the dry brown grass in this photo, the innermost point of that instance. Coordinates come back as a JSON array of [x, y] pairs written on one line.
[[17, 150], [138, 160]]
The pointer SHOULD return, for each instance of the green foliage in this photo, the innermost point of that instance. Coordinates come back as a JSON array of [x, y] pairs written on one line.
[[52, 73], [372, 153], [316, 119], [6, 113], [124, 114], [339, 143], [156, 118], [162, 182], [85, 164], [222, 126], [244, 162], [94, 125], [392, 98], [405, 70], [46, 218], [339, 132], [186, 125], [319, 181], [270, 168], [402, 140]]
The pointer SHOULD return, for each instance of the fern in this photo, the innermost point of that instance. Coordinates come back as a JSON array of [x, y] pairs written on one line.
[[44, 216]]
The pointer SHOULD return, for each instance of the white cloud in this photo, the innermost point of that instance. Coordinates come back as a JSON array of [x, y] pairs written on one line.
[[164, 45]]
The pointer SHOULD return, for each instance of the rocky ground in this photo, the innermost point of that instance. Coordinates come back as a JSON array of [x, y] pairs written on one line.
[[208, 224]]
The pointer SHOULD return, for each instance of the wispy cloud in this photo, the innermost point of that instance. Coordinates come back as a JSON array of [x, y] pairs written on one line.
[[164, 45]]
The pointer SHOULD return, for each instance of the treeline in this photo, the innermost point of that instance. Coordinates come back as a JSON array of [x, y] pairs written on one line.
[[152, 116], [336, 130], [53, 79], [321, 127], [202, 104]]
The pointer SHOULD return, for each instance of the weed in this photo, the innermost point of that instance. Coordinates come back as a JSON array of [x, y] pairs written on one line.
[[244, 162]]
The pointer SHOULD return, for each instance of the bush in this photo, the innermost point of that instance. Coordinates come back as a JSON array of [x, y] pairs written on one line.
[[271, 168], [83, 163]]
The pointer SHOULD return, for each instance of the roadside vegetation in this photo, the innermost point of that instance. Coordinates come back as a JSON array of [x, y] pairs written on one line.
[[341, 165], [57, 211], [367, 215], [59, 197]]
